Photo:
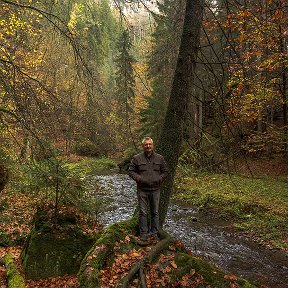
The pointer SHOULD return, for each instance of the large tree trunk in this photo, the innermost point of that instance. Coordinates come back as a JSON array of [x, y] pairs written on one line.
[[172, 133]]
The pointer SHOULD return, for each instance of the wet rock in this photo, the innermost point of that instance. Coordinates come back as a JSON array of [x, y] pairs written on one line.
[[194, 219]]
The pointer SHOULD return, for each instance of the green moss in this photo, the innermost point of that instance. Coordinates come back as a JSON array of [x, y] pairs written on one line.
[[4, 205], [54, 249], [15, 280], [212, 275], [91, 265], [102, 255], [90, 165], [255, 205]]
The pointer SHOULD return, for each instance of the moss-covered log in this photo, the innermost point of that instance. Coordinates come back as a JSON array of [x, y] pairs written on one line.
[[15, 279], [102, 252]]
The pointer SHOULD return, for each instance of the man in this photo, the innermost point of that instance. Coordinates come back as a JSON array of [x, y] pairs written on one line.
[[149, 170]]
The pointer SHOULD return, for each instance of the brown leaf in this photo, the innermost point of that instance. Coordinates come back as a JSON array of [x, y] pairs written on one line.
[[167, 269], [172, 248], [125, 256], [231, 277], [127, 239], [192, 272], [135, 254], [173, 264]]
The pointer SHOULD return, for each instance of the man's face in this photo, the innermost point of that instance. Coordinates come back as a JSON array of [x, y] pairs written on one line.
[[148, 146]]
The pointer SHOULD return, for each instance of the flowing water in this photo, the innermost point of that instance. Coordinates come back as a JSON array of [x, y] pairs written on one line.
[[202, 235]]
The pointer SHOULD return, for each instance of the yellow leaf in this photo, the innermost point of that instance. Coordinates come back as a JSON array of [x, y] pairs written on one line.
[[173, 264], [135, 254]]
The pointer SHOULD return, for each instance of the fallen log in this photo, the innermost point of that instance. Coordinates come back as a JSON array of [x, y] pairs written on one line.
[[15, 279]]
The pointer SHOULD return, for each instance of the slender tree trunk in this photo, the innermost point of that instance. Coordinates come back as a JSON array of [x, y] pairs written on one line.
[[284, 99], [172, 132]]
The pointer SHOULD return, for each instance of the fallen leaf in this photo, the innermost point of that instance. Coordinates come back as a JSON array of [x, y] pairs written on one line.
[[231, 277], [173, 264], [167, 269], [172, 248], [127, 239], [135, 254]]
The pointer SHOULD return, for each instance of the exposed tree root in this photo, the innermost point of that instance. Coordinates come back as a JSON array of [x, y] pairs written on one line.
[[164, 263], [140, 265], [140, 242], [142, 278]]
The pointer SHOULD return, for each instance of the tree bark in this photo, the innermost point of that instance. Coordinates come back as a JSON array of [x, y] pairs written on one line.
[[172, 132]]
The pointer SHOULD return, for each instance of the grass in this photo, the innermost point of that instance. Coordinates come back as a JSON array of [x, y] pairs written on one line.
[[258, 206], [94, 166]]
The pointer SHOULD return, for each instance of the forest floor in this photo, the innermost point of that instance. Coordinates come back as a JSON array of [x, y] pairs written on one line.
[[260, 167], [253, 198], [16, 222], [16, 218]]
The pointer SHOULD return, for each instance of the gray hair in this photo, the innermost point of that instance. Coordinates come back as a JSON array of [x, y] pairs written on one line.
[[145, 139]]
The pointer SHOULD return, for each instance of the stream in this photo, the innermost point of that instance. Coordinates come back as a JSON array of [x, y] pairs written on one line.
[[203, 236]]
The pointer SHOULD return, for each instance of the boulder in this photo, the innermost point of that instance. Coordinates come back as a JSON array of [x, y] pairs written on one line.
[[55, 246], [124, 165]]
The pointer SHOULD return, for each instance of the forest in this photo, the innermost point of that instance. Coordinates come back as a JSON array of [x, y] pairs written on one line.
[[82, 82]]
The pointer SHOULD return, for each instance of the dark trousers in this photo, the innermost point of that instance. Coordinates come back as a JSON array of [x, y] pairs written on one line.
[[146, 200]]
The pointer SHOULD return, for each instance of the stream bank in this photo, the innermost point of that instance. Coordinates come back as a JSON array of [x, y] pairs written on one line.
[[204, 237]]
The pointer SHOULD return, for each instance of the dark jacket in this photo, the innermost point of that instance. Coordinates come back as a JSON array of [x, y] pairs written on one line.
[[150, 172]]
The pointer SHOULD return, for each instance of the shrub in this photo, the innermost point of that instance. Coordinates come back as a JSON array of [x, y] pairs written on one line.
[[87, 148]]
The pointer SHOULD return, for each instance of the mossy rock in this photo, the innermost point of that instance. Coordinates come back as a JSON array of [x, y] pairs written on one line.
[[53, 247], [4, 239], [15, 279], [211, 275], [124, 165]]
